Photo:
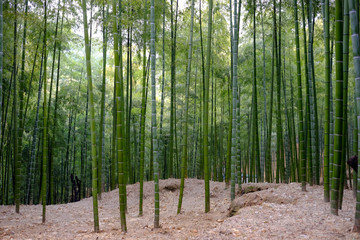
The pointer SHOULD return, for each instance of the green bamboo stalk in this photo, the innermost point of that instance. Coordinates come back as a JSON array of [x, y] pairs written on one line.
[[17, 161], [325, 4], [343, 177], [194, 137], [121, 114], [130, 174], [114, 141], [45, 136], [101, 147], [31, 163], [206, 111], [221, 144], [228, 146], [213, 122], [201, 119], [290, 166], [143, 113], [229, 136], [234, 100], [22, 89], [92, 118], [1, 65], [355, 146], [255, 111], [7, 156], [129, 102], [296, 169], [238, 122], [84, 150], [316, 118], [176, 164], [268, 158], [313, 171], [216, 149], [354, 18], [281, 140], [307, 106], [35, 132], [264, 143], [278, 114], [119, 117], [162, 148], [3, 130], [287, 131], [331, 158], [173, 84], [54, 124], [114, 166], [212, 147], [51, 146], [252, 154], [151, 170], [114, 149], [153, 114], [238, 133], [185, 127], [334, 195]]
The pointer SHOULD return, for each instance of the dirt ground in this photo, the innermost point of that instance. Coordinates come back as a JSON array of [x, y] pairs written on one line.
[[276, 212]]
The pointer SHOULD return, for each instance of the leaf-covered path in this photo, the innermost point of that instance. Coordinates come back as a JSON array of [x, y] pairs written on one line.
[[280, 212]]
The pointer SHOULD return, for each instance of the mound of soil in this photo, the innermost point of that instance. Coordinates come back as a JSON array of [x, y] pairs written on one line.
[[171, 185], [251, 187], [276, 212], [251, 197]]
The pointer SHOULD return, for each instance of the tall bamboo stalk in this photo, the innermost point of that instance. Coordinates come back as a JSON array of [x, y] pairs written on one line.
[[338, 138], [264, 94], [1, 65], [354, 19], [331, 144], [343, 177], [101, 147], [22, 89], [92, 118], [45, 149], [54, 123], [162, 148], [314, 172], [307, 105], [119, 114], [34, 137], [234, 100], [355, 146], [256, 150], [268, 157], [325, 4], [185, 137], [173, 90], [15, 119], [287, 130], [279, 156], [142, 122], [153, 114], [206, 111]]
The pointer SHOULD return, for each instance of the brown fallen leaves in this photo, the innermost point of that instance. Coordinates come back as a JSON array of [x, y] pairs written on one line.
[[266, 211]]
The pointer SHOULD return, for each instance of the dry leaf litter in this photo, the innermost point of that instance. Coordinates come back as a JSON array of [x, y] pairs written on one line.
[[263, 211]]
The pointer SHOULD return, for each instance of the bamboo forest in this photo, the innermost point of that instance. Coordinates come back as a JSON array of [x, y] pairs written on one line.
[[179, 119]]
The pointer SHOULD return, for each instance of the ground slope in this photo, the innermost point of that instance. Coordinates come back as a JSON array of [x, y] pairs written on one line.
[[276, 212]]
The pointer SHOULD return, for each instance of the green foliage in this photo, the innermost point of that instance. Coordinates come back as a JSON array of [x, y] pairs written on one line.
[[71, 145]]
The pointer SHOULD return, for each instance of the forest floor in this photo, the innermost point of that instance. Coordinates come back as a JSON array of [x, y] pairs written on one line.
[[278, 211]]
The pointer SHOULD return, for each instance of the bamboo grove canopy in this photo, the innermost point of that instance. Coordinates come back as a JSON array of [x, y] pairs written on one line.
[[98, 94]]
